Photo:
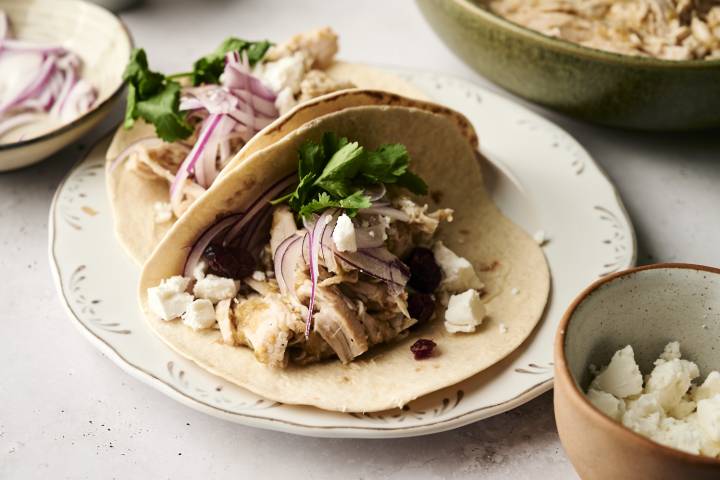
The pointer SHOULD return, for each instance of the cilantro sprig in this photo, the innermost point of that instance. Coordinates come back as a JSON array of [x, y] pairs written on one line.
[[209, 68], [155, 97], [335, 171]]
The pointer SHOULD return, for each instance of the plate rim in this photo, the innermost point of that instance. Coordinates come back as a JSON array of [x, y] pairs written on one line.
[[276, 424]]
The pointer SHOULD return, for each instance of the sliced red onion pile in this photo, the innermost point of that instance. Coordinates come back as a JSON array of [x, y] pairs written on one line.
[[249, 231], [40, 80], [237, 109], [226, 230]]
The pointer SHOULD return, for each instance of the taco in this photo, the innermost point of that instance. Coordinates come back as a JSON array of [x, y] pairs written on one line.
[[181, 131], [354, 265]]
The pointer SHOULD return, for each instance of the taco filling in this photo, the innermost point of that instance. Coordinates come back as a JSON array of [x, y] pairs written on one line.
[[202, 118], [328, 262]]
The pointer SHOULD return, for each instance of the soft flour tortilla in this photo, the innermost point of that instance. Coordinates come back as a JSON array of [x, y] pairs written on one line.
[[443, 151], [132, 196]]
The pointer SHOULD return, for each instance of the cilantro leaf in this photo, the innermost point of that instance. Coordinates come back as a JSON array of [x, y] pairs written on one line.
[[341, 169], [386, 164], [334, 173], [155, 99], [162, 110], [413, 183], [209, 68], [312, 158], [351, 204]]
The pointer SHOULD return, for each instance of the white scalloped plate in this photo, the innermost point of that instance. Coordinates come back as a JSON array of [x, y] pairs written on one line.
[[539, 176]]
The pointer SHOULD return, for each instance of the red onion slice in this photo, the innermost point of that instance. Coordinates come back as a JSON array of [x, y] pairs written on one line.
[[378, 263], [370, 237], [35, 86], [391, 212], [286, 258], [188, 164], [273, 192], [204, 240]]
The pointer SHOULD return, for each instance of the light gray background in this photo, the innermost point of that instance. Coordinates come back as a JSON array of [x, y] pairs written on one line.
[[68, 412]]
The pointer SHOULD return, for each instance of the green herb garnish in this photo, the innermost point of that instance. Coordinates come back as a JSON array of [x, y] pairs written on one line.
[[334, 172], [154, 98], [209, 68]]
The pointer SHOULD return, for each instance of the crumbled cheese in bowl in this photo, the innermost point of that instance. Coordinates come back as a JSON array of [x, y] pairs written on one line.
[[668, 408]]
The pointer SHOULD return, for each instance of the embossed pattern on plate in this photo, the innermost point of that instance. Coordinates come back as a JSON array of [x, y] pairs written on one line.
[[538, 175]]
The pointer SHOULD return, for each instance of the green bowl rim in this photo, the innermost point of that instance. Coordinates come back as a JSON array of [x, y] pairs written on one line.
[[569, 47]]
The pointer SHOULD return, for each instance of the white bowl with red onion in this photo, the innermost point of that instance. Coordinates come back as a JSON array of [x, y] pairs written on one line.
[[61, 65]]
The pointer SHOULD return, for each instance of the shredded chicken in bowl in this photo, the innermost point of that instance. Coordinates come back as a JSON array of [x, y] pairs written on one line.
[[666, 29]]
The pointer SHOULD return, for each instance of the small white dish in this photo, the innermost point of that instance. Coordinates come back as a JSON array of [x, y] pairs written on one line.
[[98, 37], [537, 174]]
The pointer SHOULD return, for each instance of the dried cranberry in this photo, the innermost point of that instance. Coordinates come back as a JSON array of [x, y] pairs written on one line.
[[421, 306], [423, 349], [425, 274], [230, 262]]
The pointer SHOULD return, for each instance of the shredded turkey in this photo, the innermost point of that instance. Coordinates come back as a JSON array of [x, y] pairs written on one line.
[[667, 29]]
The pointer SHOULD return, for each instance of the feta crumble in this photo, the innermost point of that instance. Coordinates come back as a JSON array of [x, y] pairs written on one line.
[[199, 315], [464, 313], [669, 409], [163, 212], [169, 300], [622, 377], [199, 270], [540, 237], [458, 273], [216, 288], [503, 328], [344, 234]]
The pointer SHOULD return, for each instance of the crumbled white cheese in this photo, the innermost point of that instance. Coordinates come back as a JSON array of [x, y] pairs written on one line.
[[458, 273], [286, 72], [680, 435], [259, 276], [622, 376], [199, 270], [344, 234], [169, 300], [708, 414], [709, 388], [503, 328], [606, 403], [464, 313], [540, 237], [643, 415], [216, 288], [514, 291], [670, 380], [671, 352], [669, 409], [200, 314], [163, 212], [285, 100]]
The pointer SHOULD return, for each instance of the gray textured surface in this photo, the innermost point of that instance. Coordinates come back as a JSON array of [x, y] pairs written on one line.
[[67, 412]]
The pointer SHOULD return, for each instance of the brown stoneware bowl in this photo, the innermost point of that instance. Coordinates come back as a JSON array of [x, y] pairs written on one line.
[[645, 307]]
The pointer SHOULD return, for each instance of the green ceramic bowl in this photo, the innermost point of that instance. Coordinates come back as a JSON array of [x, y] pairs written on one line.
[[603, 87]]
